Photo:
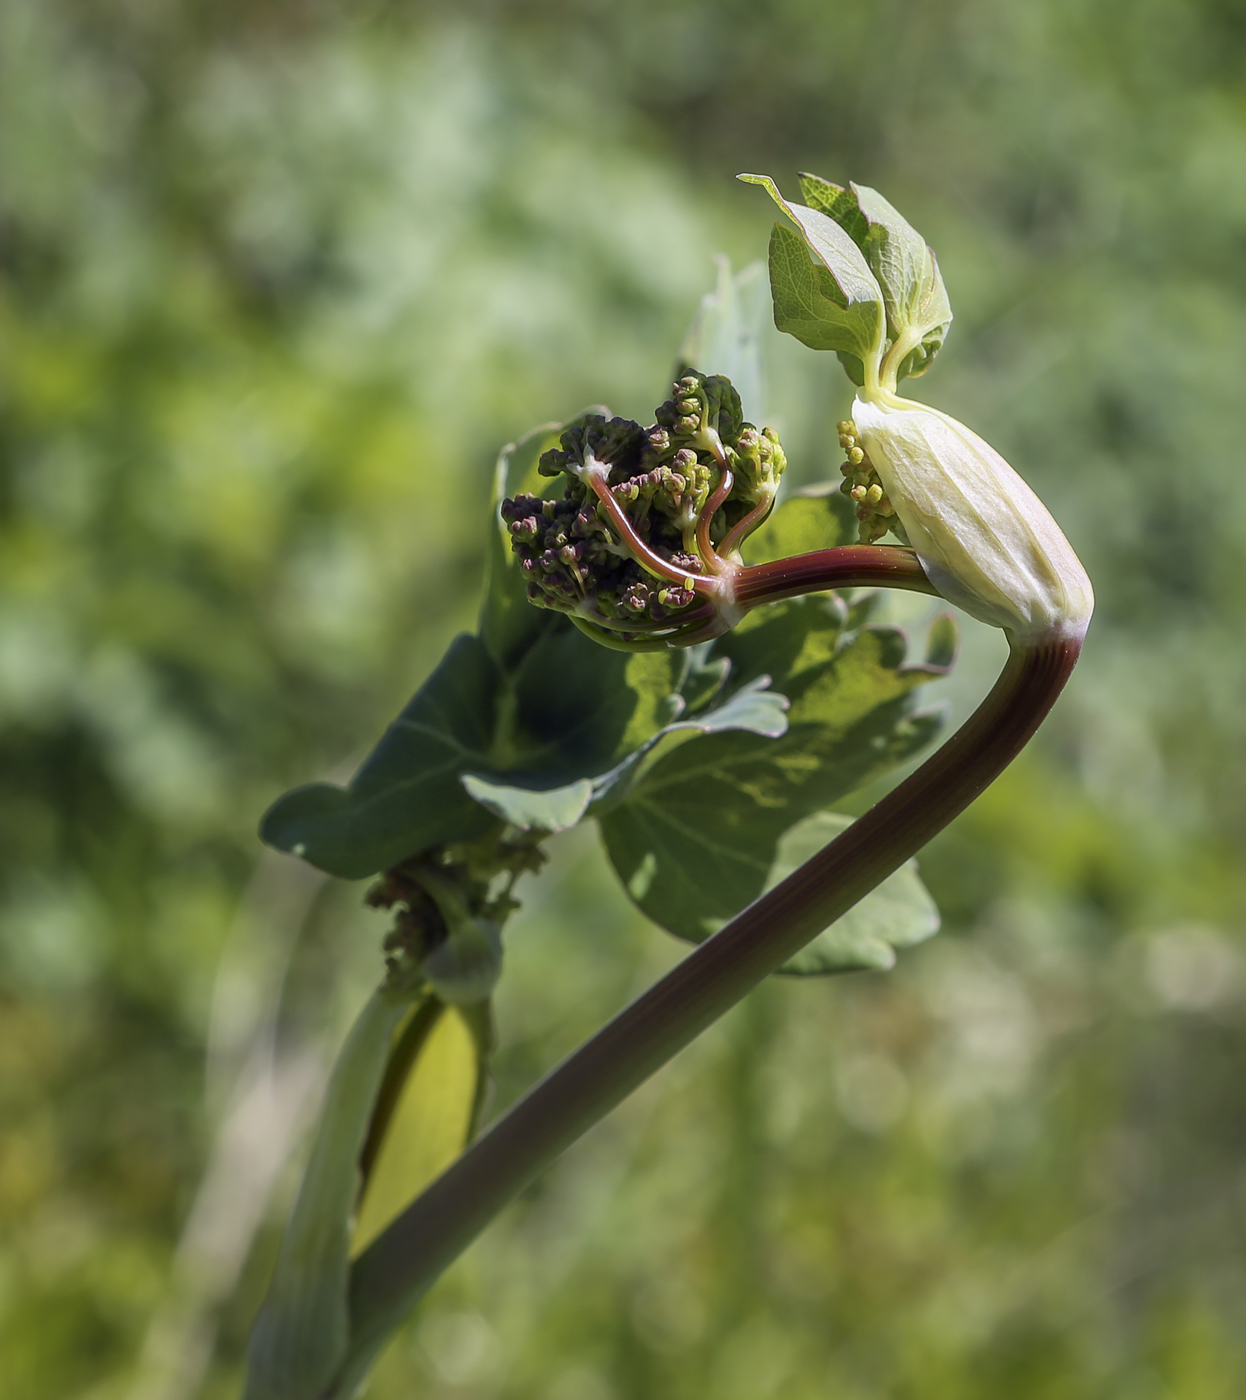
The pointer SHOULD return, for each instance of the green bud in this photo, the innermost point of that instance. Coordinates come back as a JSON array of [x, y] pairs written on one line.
[[465, 968]]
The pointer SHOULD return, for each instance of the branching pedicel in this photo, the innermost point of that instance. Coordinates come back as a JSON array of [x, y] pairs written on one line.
[[641, 551]]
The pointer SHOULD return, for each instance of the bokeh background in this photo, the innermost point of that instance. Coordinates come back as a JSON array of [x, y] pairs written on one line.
[[278, 280]]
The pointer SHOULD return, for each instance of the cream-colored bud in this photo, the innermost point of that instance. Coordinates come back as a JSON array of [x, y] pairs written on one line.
[[984, 538]]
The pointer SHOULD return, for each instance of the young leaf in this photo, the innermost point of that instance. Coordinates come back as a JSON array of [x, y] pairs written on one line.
[[841, 204], [805, 305], [906, 269], [302, 1333], [830, 245], [895, 914], [832, 303]]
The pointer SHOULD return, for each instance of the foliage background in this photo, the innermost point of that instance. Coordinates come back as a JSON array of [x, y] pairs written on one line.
[[278, 279]]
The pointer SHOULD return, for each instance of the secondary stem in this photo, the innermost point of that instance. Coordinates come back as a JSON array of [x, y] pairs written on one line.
[[403, 1262]]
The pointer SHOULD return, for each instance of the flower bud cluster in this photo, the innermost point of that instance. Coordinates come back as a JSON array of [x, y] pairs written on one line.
[[699, 459], [448, 921], [568, 552], [875, 513], [704, 415]]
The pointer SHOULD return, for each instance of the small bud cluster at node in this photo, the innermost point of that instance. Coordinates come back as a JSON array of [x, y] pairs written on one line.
[[425, 920], [631, 544], [704, 416], [875, 514]]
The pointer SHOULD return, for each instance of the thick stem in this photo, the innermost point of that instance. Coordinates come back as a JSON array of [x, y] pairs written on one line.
[[411, 1253], [846, 566]]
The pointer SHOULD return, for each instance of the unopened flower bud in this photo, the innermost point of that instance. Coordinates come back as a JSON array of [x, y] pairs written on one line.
[[984, 538]]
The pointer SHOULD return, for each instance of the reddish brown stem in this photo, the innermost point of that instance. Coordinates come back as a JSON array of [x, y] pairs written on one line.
[[641, 552], [411, 1253], [741, 530], [708, 511], [846, 566]]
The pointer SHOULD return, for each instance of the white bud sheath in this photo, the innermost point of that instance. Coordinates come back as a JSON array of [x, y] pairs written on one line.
[[985, 540]]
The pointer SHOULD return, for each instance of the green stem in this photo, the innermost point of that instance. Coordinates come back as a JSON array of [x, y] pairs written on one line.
[[403, 1262]]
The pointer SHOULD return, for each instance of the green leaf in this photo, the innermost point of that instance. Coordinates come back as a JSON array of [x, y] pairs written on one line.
[[805, 305], [301, 1335], [752, 708], [906, 269], [475, 746], [407, 796], [707, 675], [917, 300], [840, 204], [896, 914], [725, 335], [818, 517], [529, 705], [830, 245], [697, 833], [831, 303]]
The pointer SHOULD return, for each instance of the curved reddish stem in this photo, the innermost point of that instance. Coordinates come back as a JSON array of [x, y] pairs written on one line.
[[743, 527], [846, 566], [405, 1259], [720, 493], [641, 552]]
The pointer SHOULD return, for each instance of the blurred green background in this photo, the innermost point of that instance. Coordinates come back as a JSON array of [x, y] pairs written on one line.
[[278, 280]]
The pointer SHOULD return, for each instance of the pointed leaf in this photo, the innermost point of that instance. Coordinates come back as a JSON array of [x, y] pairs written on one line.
[[906, 269], [830, 245], [840, 204], [805, 305], [831, 303]]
